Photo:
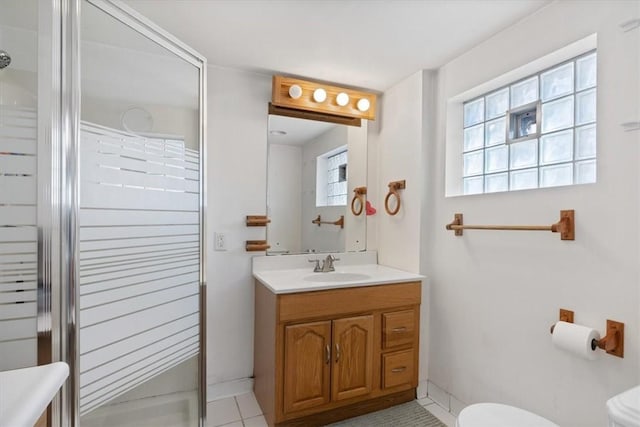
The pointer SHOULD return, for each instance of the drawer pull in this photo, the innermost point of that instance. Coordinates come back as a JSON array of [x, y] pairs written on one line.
[[400, 369], [337, 352], [399, 329], [327, 350]]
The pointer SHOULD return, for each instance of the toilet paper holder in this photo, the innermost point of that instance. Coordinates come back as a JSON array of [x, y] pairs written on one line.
[[613, 341]]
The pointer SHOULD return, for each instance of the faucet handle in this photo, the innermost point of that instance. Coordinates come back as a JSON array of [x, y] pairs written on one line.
[[316, 268]]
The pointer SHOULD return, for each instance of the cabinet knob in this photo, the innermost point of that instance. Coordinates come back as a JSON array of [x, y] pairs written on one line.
[[327, 350], [337, 352]]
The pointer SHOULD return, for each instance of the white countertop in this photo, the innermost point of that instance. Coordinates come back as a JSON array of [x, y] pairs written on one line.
[[25, 393], [305, 280]]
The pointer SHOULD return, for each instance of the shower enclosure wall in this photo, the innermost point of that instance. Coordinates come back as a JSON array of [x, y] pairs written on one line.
[[102, 127]]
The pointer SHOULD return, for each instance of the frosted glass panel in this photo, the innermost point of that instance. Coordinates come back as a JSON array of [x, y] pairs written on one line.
[[524, 154], [473, 185], [586, 73], [496, 159], [497, 103], [495, 132], [473, 112], [523, 179], [552, 176], [473, 163], [557, 82], [586, 107], [586, 172], [496, 182], [556, 147], [524, 92], [557, 114], [474, 137], [586, 142]]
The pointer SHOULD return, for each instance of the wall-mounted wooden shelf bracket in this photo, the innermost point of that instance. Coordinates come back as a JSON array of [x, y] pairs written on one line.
[[257, 220], [256, 245], [565, 226]]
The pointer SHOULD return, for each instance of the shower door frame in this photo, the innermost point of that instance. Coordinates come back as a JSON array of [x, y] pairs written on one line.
[[69, 189]]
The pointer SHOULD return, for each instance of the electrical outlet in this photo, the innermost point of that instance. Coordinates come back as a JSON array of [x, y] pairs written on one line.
[[219, 241]]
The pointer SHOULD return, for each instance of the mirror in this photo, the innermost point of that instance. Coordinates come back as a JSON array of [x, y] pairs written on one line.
[[312, 169]]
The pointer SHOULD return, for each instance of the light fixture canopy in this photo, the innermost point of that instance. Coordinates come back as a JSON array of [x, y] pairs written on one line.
[[363, 104], [319, 95], [342, 99], [295, 91]]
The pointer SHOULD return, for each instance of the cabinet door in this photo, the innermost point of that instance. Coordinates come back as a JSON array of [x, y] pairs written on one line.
[[352, 373], [307, 362]]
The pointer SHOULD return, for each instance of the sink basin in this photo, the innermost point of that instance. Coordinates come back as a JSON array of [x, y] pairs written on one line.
[[336, 277], [25, 393]]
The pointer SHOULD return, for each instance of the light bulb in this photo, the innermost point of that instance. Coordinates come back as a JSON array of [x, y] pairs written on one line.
[[295, 91], [319, 95], [342, 99], [363, 105]]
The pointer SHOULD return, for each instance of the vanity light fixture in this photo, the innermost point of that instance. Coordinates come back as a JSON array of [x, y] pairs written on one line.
[[295, 91], [364, 105], [321, 101], [319, 95], [342, 99]]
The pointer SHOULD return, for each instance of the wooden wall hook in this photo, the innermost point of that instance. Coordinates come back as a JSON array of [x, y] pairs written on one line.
[[357, 208], [394, 186]]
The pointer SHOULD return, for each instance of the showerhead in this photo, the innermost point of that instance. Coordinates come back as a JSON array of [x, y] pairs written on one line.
[[5, 59]]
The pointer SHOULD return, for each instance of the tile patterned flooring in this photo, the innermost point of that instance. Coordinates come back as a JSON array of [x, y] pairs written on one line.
[[243, 411]]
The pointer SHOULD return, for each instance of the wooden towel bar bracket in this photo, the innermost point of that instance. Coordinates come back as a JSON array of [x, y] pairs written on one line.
[[339, 222], [565, 226]]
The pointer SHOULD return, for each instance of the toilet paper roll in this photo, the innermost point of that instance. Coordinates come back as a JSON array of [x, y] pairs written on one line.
[[576, 339]]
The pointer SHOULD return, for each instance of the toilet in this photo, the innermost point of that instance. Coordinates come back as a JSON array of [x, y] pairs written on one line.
[[499, 415], [623, 411]]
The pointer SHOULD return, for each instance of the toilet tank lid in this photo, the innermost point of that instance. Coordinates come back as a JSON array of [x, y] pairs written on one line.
[[624, 408]]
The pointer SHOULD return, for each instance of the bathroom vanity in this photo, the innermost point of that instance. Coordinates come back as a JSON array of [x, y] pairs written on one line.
[[329, 346]]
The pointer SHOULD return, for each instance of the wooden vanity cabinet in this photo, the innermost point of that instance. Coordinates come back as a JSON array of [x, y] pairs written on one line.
[[327, 355]]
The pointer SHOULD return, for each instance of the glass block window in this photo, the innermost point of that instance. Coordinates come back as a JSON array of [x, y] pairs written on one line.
[[564, 150], [337, 179]]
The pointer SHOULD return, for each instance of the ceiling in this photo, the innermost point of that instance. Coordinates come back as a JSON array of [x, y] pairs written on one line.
[[296, 131], [369, 44]]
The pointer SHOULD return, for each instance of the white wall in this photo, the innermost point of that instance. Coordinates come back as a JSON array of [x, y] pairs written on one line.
[[399, 147], [495, 294], [399, 142], [236, 154], [285, 197]]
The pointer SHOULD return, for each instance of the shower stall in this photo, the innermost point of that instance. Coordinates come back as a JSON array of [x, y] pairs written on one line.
[[102, 198]]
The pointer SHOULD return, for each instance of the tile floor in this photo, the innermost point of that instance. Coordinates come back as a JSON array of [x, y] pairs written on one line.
[[243, 411]]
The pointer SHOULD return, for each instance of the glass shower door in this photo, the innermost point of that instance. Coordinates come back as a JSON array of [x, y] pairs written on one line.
[[18, 186], [140, 347]]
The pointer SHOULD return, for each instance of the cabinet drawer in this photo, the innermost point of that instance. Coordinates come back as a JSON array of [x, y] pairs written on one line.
[[398, 328], [398, 368]]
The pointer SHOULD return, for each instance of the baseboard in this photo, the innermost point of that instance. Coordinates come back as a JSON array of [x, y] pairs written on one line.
[[229, 388]]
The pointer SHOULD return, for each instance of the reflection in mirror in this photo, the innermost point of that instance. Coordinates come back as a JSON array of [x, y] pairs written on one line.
[[313, 168]]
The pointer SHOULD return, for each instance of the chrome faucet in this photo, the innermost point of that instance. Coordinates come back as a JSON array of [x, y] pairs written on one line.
[[327, 264]]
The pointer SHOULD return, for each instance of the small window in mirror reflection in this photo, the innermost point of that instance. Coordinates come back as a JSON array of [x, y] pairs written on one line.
[[331, 182]]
